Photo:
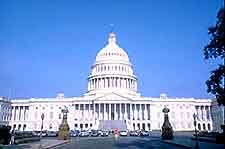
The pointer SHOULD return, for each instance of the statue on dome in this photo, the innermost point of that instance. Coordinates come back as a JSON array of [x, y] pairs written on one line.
[[167, 130]]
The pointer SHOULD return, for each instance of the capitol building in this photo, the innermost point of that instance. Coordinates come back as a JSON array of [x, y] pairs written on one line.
[[111, 101]]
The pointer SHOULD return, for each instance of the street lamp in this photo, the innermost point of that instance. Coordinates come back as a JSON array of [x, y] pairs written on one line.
[[42, 118], [196, 137]]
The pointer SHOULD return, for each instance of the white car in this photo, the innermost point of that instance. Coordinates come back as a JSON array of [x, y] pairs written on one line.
[[84, 133], [123, 133]]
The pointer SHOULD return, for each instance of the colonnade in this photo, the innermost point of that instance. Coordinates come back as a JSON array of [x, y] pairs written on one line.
[[112, 111], [203, 113], [112, 82], [19, 113]]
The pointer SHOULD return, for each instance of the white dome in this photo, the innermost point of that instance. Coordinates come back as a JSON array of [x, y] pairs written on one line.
[[112, 71], [112, 52]]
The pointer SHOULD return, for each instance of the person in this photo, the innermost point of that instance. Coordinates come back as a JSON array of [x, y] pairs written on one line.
[[12, 141]]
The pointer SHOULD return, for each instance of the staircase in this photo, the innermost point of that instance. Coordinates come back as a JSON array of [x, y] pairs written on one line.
[[112, 124]]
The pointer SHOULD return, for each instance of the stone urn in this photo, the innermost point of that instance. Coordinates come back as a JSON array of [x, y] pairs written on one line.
[[167, 130], [64, 127]]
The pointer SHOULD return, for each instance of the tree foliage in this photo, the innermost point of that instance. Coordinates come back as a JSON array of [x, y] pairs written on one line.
[[214, 50]]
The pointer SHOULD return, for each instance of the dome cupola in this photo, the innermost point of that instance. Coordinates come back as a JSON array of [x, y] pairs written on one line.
[[112, 52]]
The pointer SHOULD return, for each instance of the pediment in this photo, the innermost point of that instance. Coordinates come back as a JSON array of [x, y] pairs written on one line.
[[113, 97]]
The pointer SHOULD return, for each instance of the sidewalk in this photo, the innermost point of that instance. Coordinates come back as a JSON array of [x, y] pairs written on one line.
[[45, 144], [189, 143]]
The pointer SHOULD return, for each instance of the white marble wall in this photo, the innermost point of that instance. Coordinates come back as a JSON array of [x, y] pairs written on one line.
[[138, 114]]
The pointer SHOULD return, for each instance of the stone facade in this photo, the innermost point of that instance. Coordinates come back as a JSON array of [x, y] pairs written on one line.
[[5, 111]]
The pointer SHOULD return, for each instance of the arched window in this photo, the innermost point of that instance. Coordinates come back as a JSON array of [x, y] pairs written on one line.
[[204, 128], [24, 127], [199, 127], [19, 126], [115, 67], [209, 127]]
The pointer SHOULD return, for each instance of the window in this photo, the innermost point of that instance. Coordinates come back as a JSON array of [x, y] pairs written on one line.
[[209, 127], [50, 126], [199, 127], [59, 116]]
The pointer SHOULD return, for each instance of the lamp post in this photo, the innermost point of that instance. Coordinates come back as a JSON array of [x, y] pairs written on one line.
[[42, 118], [196, 137]]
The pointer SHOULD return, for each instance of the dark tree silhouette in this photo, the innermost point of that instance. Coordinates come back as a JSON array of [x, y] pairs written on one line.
[[215, 50]]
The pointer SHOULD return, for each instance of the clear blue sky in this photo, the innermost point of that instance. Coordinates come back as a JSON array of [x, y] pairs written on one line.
[[48, 46]]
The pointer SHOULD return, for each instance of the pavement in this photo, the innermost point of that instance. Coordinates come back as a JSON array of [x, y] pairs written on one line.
[[151, 142], [154, 141], [46, 143]]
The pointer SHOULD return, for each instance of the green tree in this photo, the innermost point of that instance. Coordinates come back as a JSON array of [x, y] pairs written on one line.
[[215, 50]]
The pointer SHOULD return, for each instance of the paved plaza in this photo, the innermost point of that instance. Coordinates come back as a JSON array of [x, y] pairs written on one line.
[[154, 141]]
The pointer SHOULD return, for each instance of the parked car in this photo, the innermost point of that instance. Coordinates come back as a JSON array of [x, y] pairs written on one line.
[[74, 133], [144, 133], [123, 133], [134, 133], [51, 134], [44, 133], [94, 133], [105, 133], [84, 133]]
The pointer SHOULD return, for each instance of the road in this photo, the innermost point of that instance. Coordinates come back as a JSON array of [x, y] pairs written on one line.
[[117, 143]]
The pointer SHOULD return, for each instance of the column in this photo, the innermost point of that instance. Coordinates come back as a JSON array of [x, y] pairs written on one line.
[[24, 114], [99, 112], [120, 83], [125, 113], [209, 111], [198, 112], [140, 112], [19, 113], [202, 115], [131, 112], [115, 114], [110, 111], [106, 82], [129, 82], [13, 114], [120, 109], [145, 112], [135, 112], [104, 111], [115, 82], [94, 110], [205, 113], [90, 116]]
